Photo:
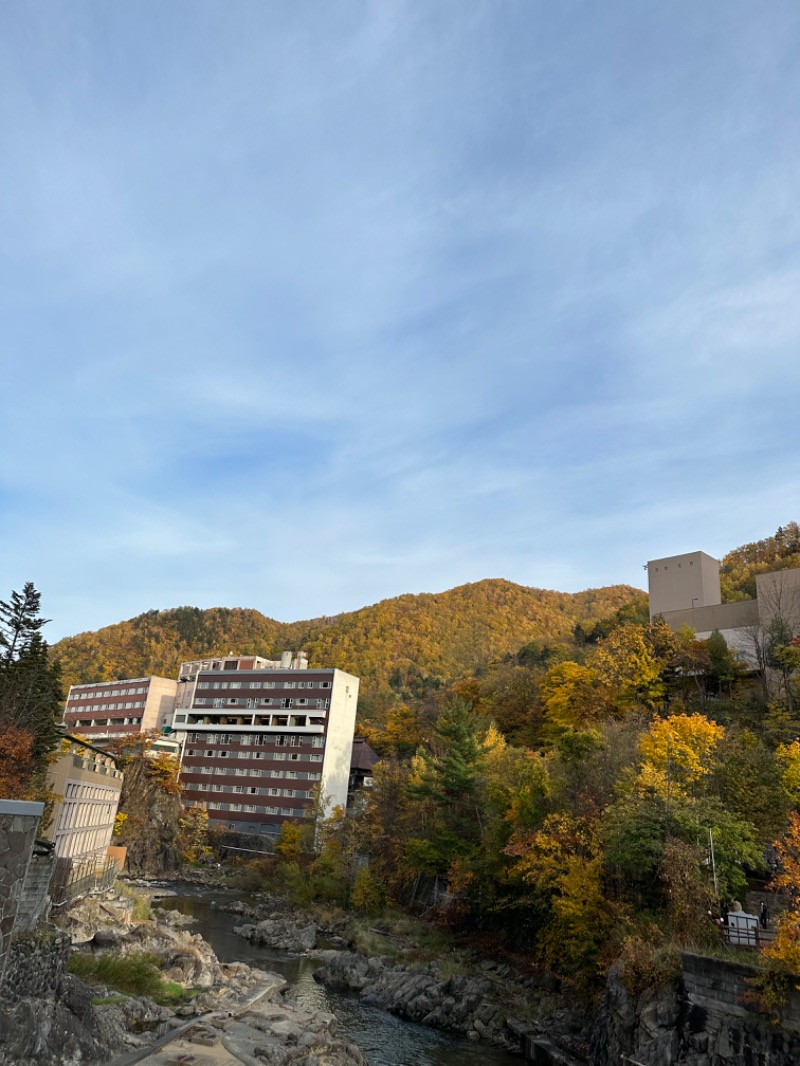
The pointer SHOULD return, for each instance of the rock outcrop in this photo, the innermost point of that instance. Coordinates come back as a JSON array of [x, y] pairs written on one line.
[[476, 1005], [296, 935], [706, 1016], [55, 1019]]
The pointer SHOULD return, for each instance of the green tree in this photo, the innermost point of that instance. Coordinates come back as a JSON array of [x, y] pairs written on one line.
[[31, 697], [446, 788]]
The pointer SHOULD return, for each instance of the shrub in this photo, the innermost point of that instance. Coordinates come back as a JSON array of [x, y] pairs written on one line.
[[369, 894], [648, 960]]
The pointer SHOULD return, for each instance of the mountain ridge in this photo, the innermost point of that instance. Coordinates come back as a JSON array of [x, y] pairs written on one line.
[[444, 634]]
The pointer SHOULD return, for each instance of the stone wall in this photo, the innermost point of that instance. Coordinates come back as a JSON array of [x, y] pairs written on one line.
[[34, 903], [708, 1016], [725, 987], [19, 822], [35, 965]]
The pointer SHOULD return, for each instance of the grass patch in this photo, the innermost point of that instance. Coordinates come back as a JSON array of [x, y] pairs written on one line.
[[451, 967], [408, 941], [142, 911], [135, 975]]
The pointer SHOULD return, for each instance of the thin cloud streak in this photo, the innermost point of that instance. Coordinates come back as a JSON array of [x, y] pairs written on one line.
[[312, 308]]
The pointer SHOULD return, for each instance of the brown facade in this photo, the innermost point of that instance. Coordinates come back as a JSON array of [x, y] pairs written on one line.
[[120, 708], [255, 744]]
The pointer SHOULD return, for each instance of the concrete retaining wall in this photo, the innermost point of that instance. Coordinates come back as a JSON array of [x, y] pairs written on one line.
[[19, 822], [725, 988], [34, 903]]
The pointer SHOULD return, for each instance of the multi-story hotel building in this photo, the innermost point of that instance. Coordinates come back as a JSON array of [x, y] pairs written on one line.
[[119, 708], [255, 736], [260, 735]]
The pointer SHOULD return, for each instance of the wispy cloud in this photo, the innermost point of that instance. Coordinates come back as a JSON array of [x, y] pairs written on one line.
[[305, 307]]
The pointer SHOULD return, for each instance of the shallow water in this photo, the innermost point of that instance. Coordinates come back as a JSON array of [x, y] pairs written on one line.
[[384, 1039]]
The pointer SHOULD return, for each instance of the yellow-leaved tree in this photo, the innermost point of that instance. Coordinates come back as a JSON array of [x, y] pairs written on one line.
[[630, 666], [573, 695], [562, 862], [788, 756], [678, 752]]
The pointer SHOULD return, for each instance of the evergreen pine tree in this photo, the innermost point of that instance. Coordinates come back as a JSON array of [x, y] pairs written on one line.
[[31, 696]]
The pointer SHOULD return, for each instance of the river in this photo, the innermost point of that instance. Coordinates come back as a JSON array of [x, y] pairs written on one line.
[[383, 1039]]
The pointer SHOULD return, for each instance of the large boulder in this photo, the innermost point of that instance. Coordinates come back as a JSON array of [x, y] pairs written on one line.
[[294, 934]]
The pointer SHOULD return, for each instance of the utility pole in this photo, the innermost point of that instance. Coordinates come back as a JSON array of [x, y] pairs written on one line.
[[713, 862]]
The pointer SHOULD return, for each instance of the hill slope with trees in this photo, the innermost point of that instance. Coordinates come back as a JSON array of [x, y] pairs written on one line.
[[409, 641]]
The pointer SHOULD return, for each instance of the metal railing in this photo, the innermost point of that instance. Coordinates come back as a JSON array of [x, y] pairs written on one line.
[[77, 877]]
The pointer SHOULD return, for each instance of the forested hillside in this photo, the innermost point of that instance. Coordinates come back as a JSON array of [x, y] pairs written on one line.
[[740, 566], [410, 641], [588, 784]]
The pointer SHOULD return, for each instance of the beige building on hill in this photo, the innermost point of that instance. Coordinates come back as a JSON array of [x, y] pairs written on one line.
[[685, 591]]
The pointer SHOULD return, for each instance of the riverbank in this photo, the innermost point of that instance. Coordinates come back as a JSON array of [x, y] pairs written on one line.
[[384, 1038], [705, 1012], [457, 991], [705, 1016], [51, 1017]]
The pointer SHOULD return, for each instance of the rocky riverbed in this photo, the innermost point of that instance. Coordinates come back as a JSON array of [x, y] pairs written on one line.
[[479, 998], [241, 1012]]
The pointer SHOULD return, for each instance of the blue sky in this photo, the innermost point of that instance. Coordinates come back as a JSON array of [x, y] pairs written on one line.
[[306, 305]]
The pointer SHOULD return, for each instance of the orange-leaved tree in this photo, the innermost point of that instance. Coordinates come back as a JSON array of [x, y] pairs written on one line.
[[785, 950]]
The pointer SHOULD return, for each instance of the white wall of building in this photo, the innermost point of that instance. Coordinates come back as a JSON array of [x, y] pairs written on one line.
[[339, 739]]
